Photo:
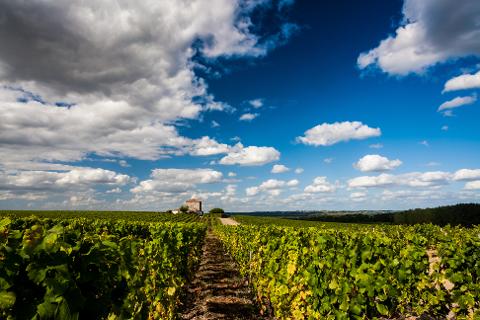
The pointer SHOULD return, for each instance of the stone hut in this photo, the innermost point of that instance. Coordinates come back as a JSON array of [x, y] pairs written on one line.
[[194, 205]]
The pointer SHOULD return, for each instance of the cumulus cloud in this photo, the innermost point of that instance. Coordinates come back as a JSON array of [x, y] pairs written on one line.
[[256, 103], [328, 134], [358, 196], [176, 180], [299, 170], [466, 175], [430, 34], [293, 183], [320, 184], [85, 85], [472, 185], [273, 187], [250, 156], [457, 102], [375, 162], [371, 181], [248, 116], [463, 82], [206, 146], [124, 163], [279, 168], [114, 190], [412, 179], [37, 184], [252, 191]]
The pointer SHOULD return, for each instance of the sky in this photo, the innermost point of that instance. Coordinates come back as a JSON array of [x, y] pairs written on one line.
[[248, 105]]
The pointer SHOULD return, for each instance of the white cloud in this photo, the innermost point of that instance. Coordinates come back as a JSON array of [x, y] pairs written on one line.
[[375, 162], [466, 175], [371, 181], [232, 174], [36, 184], [413, 179], [252, 191], [413, 195], [250, 156], [230, 190], [445, 128], [472, 185], [358, 196], [114, 190], [403, 53], [328, 160], [328, 134], [215, 124], [177, 180], [279, 168], [206, 146], [124, 163], [293, 183], [463, 82], [299, 170], [457, 102], [273, 187], [424, 143], [320, 184], [272, 184], [248, 116], [256, 103], [425, 38], [114, 88]]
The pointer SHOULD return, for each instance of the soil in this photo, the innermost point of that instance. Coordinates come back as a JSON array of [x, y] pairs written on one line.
[[218, 291]]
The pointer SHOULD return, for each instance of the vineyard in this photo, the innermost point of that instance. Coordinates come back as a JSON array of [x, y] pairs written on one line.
[[361, 272], [81, 268], [140, 216], [103, 265]]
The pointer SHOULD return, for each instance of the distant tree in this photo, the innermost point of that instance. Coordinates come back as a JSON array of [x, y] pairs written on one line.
[[467, 214], [183, 209], [218, 212], [169, 211]]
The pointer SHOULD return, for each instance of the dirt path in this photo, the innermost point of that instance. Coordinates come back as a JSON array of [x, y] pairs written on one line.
[[229, 222], [218, 291]]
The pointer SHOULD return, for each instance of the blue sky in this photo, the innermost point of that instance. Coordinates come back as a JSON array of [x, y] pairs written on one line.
[[248, 105]]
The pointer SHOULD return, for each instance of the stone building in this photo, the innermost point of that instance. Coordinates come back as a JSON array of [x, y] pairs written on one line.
[[194, 205]]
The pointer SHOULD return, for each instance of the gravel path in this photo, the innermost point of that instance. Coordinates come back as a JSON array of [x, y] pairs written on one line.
[[229, 222], [218, 291]]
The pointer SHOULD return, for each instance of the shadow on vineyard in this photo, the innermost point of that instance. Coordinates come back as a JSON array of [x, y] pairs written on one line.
[[218, 291]]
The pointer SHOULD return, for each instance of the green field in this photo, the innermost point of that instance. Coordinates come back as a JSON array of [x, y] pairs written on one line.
[[142, 216], [285, 222], [96, 265], [135, 265], [313, 270]]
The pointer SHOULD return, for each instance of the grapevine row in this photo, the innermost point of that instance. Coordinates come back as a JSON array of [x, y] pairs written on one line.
[[92, 269], [363, 273]]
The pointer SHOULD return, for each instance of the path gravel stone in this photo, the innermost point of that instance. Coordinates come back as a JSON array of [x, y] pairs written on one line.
[[218, 291], [229, 222]]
